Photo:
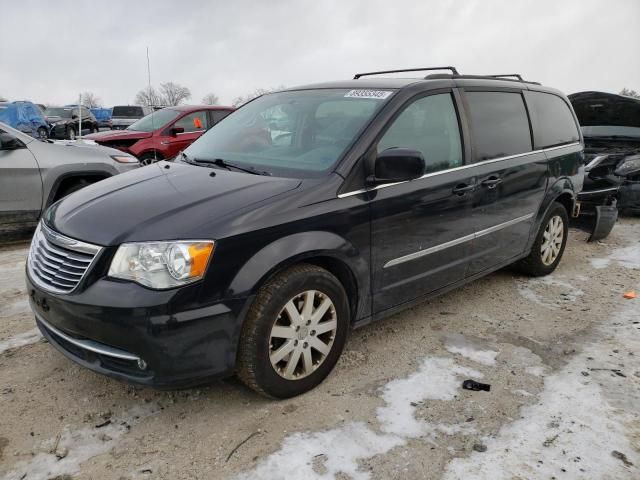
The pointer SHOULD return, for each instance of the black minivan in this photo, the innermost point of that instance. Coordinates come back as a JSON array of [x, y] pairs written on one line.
[[303, 214]]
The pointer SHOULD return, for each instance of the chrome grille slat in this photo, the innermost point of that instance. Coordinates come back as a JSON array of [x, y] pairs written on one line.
[[68, 255], [60, 266], [57, 275], [58, 263], [65, 261]]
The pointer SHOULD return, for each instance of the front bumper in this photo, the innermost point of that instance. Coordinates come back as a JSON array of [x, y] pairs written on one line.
[[155, 338]]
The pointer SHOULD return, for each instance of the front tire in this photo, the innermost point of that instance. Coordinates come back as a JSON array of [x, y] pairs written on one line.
[[294, 332], [149, 158], [71, 133], [43, 134], [548, 248]]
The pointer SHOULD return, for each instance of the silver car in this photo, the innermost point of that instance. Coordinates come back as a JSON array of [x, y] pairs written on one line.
[[34, 174]]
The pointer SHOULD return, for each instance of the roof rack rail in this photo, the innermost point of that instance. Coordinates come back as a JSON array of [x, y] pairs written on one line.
[[506, 75], [366, 74], [516, 77]]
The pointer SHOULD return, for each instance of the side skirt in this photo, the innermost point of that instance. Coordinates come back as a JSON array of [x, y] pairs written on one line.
[[417, 301]]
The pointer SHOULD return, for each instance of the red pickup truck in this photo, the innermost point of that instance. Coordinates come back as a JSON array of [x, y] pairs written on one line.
[[164, 133]]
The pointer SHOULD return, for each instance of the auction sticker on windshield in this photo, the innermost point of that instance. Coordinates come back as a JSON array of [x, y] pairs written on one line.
[[378, 94]]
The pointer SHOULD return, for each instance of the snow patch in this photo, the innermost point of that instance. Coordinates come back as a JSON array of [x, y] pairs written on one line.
[[562, 291], [475, 351], [17, 306], [579, 420], [628, 256], [524, 393], [341, 448], [536, 371], [437, 379], [80, 445], [21, 339]]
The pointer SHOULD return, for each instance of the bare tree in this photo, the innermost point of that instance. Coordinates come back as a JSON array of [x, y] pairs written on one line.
[[174, 93], [210, 99], [148, 97], [242, 99], [90, 99], [629, 93]]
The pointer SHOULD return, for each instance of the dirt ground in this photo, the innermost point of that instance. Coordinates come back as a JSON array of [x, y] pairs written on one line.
[[561, 353]]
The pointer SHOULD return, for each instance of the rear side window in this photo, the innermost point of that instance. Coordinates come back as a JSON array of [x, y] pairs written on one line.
[[429, 125], [553, 123], [219, 115], [499, 124]]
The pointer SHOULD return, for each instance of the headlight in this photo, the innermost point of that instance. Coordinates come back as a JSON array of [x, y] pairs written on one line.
[[629, 166], [162, 264], [124, 159]]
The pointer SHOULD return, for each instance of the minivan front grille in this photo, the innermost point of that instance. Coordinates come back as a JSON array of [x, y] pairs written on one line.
[[58, 263]]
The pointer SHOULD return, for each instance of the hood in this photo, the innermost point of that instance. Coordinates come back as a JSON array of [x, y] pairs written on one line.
[[115, 135], [606, 115], [163, 201]]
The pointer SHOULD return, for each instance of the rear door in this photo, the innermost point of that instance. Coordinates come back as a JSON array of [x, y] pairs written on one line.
[[512, 178], [420, 230], [20, 186], [194, 124]]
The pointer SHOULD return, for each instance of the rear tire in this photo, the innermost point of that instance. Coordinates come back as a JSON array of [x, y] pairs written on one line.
[[548, 247], [43, 134], [278, 322]]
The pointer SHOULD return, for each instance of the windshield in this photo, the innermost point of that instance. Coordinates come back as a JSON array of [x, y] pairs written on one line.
[[296, 133], [58, 112], [154, 120]]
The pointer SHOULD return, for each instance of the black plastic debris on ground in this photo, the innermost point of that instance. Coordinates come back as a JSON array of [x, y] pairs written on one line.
[[476, 386]]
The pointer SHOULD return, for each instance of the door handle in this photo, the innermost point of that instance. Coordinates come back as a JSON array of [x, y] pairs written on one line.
[[491, 183], [463, 188]]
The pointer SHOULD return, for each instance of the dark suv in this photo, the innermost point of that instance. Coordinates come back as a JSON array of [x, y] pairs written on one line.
[[66, 121], [303, 214]]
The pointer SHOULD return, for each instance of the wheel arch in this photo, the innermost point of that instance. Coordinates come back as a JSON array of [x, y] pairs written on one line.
[[67, 179], [324, 249], [561, 191]]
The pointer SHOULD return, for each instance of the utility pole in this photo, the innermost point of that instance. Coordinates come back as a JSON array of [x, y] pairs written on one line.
[[80, 118]]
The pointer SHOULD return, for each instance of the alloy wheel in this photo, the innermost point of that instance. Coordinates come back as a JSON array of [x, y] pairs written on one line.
[[552, 240], [302, 335]]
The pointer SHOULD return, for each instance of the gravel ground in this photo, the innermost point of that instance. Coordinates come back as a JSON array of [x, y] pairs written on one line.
[[561, 353]]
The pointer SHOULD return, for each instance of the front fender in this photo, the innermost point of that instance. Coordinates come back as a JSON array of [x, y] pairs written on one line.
[[296, 248]]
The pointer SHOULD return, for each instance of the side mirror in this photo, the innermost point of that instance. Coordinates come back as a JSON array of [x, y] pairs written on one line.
[[9, 142], [74, 116], [176, 130], [397, 165]]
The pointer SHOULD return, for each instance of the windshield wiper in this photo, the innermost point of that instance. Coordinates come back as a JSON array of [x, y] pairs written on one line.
[[219, 162]]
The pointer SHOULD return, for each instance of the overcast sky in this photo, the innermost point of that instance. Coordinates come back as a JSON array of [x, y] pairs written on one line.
[[52, 50]]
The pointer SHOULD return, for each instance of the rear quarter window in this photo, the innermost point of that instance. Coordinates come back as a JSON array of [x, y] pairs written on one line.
[[553, 122], [499, 124]]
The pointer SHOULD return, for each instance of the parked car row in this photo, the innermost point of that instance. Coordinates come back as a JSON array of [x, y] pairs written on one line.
[[34, 175], [164, 133]]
